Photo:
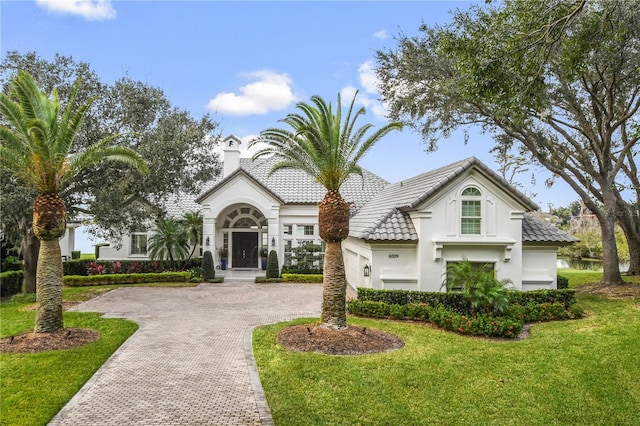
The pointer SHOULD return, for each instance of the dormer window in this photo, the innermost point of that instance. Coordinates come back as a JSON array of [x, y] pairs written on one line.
[[471, 214]]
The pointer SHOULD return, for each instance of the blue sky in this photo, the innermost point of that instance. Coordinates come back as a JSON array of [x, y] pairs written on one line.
[[248, 63]]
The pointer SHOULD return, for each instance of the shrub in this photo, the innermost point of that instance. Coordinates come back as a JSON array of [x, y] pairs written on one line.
[[10, 283], [273, 271], [75, 267], [164, 277], [563, 282], [479, 286], [208, 267], [75, 254], [454, 300], [442, 316], [302, 278], [566, 297], [11, 264], [262, 280]]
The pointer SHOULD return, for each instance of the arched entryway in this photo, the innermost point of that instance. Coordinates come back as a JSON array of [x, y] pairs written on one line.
[[244, 234]]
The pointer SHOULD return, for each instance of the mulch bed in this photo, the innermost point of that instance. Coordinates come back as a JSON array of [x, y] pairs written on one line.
[[623, 291], [40, 342], [352, 340]]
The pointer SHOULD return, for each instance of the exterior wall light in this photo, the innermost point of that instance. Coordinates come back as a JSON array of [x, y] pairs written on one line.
[[207, 241], [367, 270], [273, 241]]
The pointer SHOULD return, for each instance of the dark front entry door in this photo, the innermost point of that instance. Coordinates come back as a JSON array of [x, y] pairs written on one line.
[[245, 249]]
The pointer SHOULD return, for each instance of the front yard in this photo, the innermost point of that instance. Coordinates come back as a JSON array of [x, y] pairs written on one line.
[[580, 372]]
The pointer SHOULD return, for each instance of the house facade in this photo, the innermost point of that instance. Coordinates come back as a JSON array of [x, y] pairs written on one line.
[[402, 235]]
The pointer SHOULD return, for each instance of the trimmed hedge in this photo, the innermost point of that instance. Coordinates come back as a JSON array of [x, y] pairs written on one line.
[[457, 301], [294, 270], [446, 310], [11, 264], [82, 266], [11, 283], [454, 300], [302, 278], [164, 277], [442, 316], [508, 326], [563, 282]]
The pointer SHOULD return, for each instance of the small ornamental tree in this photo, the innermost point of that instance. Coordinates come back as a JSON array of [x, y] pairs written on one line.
[[208, 268], [273, 271]]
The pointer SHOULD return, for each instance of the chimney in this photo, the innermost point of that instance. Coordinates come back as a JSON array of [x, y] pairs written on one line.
[[231, 159]]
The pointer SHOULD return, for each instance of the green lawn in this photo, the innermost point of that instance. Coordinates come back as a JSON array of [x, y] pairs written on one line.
[[578, 277], [574, 372], [34, 387], [580, 372]]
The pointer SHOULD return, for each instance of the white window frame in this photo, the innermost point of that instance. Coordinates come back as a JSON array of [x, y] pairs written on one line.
[[467, 221], [133, 237]]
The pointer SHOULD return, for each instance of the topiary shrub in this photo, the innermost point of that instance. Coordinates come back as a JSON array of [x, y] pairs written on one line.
[[208, 268], [273, 271], [75, 254], [563, 282]]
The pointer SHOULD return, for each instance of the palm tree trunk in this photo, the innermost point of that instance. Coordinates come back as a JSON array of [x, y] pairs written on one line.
[[49, 288], [334, 292]]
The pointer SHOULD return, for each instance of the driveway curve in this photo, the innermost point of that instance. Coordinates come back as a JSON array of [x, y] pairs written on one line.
[[190, 362]]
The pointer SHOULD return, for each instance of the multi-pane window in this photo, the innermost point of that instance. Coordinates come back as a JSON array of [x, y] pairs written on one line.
[[139, 243], [288, 248], [471, 215], [305, 230], [287, 230], [475, 266]]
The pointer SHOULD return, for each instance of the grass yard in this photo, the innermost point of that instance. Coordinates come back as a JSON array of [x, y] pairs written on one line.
[[34, 387], [580, 372]]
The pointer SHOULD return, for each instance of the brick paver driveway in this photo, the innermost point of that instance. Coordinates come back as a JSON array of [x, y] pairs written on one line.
[[190, 362]]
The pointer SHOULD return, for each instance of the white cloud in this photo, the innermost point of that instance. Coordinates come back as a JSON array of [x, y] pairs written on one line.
[[268, 92], [92, 10], [368, 94], [382, 34], [368, 78]]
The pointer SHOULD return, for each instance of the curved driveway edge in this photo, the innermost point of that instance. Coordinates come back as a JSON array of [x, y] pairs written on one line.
[[191, 360]]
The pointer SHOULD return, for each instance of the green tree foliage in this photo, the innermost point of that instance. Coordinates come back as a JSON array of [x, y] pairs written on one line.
[[208, 268], [326, 146], [36, 148], [307, 257], [169, 242], [558, 80], [175, 145], [176, 240], [273, 269]]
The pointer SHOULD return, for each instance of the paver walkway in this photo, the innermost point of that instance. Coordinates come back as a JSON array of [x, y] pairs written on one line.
[[190, 362]]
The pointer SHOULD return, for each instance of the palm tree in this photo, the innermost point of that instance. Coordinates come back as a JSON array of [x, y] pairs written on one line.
[[193, 225], [36, 142], [328, 149], [170, 242]]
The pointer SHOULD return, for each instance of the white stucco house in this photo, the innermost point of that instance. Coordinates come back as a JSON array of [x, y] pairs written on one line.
[[402, 235]]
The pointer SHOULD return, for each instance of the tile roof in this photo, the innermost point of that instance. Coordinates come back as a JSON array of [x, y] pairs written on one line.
[[178, 204], [381, 208], [410, 193], [535, 230], [296, 187]]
